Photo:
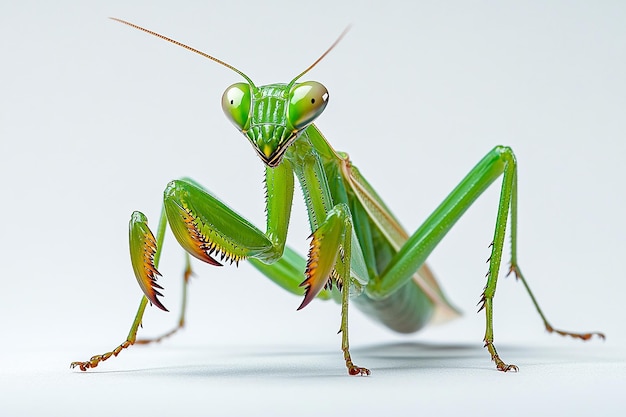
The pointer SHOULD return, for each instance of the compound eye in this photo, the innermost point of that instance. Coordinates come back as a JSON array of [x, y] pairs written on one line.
[[236, 104], [306, 101]]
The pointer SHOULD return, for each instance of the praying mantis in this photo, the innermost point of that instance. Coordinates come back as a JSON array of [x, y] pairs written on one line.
[[358, 249]]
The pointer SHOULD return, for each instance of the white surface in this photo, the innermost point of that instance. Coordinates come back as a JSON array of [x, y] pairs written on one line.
[[95, 118], [409, 378]]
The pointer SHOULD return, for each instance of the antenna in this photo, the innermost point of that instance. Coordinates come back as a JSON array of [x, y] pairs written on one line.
[[321, 56], [189, 48]]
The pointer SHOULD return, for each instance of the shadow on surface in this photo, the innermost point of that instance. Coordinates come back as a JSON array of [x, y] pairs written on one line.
[[293, 362]]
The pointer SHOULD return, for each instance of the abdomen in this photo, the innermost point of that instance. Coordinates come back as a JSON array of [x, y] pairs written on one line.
[[406, 310]]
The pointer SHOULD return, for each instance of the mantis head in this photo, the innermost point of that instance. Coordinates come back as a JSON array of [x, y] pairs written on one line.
[[273, 116]]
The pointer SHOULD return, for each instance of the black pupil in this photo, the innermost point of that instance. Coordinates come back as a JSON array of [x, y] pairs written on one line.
[[231, 101], [312, 101]]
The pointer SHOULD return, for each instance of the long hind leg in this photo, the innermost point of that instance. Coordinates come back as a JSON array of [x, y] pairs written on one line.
[[499, 162]]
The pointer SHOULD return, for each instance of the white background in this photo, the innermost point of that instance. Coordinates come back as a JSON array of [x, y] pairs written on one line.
[[95, 119]]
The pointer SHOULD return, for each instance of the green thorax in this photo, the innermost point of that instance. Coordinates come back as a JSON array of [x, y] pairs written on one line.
[[309, 169]]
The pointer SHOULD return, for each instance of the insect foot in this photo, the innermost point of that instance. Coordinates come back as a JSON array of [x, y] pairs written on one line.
[[355, 370], [496, 358], [352, 368], [95, 360], [581, 336]]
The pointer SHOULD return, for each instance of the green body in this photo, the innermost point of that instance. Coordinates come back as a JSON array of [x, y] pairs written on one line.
[[328, 179], [357, 245]]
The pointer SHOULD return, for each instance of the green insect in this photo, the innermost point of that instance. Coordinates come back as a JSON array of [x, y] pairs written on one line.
[[358, 249]]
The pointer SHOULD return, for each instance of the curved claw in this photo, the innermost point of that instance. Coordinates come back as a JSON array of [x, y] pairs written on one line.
[[189, 236], [207, 228], [325, 246], [143, 246]]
